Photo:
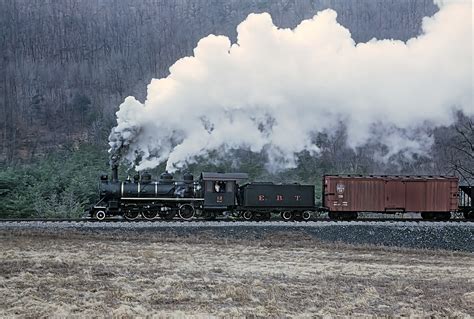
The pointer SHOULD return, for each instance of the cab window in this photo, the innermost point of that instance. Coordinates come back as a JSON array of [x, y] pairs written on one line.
[[219, 187]]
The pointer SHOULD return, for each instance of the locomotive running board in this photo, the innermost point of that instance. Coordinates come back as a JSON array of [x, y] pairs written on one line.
[[164, 199]]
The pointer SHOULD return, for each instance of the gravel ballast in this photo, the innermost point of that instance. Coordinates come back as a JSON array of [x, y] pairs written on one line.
[[425, 235]]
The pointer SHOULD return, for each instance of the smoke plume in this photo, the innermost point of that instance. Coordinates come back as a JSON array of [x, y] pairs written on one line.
[[275, 89]]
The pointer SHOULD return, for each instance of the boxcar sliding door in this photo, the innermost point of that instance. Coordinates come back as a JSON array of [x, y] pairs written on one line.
[[394, 195]]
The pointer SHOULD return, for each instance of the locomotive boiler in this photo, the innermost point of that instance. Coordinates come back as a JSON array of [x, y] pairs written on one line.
[[142, 197]]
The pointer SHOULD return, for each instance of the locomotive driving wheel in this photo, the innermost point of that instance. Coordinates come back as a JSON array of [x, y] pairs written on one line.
[[149, 214], [131, 214], [186, 212]]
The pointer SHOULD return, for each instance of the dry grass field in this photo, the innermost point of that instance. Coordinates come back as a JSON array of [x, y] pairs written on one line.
[[77, 275]]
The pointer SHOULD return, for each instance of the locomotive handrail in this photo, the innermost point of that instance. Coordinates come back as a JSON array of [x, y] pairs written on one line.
[[163, 199]]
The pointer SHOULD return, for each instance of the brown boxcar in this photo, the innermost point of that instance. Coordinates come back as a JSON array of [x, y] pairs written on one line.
[[354, 193]]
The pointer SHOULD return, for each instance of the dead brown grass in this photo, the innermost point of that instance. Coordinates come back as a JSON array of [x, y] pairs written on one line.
[[78, 275]]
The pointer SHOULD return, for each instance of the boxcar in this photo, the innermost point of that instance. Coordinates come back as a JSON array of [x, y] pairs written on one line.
[[432, 196]]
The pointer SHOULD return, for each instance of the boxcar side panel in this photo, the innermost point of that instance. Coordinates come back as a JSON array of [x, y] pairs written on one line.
[[441, 196], [363, 194], [416, 196], [346, 194]]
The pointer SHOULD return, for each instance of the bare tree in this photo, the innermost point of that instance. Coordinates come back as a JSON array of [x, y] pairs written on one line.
[[461, 149]]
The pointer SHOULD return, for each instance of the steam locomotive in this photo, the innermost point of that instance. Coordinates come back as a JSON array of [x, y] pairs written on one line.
[[218, 194], [213, 194]]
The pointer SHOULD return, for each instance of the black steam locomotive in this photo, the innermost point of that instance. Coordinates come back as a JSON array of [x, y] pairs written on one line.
[[343, 197], [211, 195]]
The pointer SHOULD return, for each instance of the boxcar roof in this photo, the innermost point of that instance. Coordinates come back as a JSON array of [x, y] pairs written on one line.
[[223, 176], [420, 177]]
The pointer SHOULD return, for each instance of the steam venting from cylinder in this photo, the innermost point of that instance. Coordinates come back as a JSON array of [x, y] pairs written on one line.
[[275, 89]]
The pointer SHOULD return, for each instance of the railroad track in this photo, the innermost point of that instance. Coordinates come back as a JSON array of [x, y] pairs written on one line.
[[198, 221]]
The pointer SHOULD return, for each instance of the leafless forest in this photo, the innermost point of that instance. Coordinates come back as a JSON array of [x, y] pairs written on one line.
[[67, 65]]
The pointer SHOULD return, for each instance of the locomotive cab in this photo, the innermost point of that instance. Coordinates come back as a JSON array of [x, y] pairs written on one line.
[[220, 190]]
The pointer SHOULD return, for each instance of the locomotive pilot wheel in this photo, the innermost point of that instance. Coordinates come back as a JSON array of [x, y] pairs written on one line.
[[100, 215]]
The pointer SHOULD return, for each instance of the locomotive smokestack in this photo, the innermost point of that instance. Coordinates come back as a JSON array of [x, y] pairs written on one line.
[[114, 172], [114, 164]]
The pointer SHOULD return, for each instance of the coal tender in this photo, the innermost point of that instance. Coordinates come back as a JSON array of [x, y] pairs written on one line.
[[291, 201]]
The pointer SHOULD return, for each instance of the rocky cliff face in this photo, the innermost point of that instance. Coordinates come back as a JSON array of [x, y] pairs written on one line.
[[66, 66]]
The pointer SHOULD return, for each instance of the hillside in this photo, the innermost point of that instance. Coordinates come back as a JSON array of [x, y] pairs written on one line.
[[66, 66]]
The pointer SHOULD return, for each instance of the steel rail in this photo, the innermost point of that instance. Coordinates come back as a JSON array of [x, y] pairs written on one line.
[[197, 221]]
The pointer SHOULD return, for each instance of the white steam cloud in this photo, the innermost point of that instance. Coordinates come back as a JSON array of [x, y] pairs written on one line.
[[275, 89]]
